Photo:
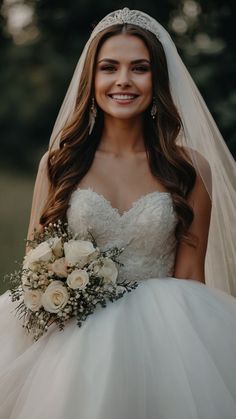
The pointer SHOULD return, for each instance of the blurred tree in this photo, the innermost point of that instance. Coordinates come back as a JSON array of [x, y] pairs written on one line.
[[207, 45]]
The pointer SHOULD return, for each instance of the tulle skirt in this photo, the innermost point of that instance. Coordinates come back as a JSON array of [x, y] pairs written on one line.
[[166, 350]]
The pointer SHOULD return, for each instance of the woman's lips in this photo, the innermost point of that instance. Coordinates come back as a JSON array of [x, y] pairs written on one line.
[[122, 101]]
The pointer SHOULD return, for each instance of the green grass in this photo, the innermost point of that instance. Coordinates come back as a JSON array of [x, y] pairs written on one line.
[[16, 196]]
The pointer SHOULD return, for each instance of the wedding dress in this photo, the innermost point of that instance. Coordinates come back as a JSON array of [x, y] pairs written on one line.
[[166, 350]]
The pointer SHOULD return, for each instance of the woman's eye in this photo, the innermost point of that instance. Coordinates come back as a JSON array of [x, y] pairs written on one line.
[[141, 68], [108, 68], [136, 68]]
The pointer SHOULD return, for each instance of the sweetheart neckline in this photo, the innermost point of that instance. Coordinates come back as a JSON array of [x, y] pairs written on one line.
[[135, 203]]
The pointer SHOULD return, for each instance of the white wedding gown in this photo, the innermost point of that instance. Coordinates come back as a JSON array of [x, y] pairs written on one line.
[[166, 350]]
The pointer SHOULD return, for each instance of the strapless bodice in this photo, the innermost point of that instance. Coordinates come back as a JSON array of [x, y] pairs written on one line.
[[146, 231]]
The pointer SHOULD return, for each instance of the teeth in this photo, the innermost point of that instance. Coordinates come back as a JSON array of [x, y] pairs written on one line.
[[124, 97]]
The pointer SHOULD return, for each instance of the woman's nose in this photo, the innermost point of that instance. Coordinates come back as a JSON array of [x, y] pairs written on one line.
[[123, 78]]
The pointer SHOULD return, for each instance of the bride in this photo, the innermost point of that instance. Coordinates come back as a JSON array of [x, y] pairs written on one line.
[[136, 158]]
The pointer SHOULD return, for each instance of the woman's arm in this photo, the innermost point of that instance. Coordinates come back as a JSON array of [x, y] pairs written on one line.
[[189, 262]]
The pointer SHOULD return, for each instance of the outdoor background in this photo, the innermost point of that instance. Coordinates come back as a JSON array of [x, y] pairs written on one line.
[[40, 43]]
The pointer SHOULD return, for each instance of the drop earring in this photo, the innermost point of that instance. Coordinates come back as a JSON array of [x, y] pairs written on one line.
[[92, 115], [154, 108]]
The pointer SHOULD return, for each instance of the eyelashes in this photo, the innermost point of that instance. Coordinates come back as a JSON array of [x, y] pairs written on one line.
[[111, 68]]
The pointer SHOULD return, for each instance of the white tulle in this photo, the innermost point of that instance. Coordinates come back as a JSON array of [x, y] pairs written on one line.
[[166, 350]]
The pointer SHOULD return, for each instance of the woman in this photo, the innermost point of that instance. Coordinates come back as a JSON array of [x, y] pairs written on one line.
[[131, 171]]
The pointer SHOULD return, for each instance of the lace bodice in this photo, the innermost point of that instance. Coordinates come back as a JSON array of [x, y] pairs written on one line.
[[146, 231]]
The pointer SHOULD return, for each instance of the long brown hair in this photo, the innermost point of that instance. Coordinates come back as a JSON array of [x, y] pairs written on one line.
[[168, 162]]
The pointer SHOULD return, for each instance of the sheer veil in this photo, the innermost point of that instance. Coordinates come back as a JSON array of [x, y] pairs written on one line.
[[200, 135]]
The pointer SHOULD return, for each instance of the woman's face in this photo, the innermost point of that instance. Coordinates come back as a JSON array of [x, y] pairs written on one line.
[[123, 77]]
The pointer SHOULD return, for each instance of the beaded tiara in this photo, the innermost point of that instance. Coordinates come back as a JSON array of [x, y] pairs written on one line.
[[126, 15]]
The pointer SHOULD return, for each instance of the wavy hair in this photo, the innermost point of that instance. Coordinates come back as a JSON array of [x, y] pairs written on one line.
[[168, 162]]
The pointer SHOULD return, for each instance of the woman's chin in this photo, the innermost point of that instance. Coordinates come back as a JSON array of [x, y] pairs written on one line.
[[123, 114]]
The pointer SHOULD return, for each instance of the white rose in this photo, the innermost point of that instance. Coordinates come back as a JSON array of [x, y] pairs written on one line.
[[55, 297], [108, 271], [78, 279], [28, 264], [33, 299], [56, 246], [59, 267], [78, 252], [42, 253]]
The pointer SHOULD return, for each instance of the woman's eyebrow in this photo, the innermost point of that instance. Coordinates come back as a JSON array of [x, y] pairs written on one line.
[[109, 60]]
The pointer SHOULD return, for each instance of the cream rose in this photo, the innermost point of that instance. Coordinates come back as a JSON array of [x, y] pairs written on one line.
[[78, 279], [42, 253], [78, 252], [55, 297], [108, 271], [59, 267], [56, 246], [33, 299]]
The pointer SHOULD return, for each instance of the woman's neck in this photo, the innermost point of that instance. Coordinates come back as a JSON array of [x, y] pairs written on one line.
[[122, 137]]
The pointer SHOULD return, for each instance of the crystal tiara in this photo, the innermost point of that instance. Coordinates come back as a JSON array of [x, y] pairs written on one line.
[[126, 15]]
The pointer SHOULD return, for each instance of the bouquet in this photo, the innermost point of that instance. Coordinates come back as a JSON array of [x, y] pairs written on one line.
[[64, 276]]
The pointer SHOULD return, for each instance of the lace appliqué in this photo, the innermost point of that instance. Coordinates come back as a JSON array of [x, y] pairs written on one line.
[[146, 231]]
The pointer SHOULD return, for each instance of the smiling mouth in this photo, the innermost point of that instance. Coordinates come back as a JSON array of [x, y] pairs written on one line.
[[122, 98]]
